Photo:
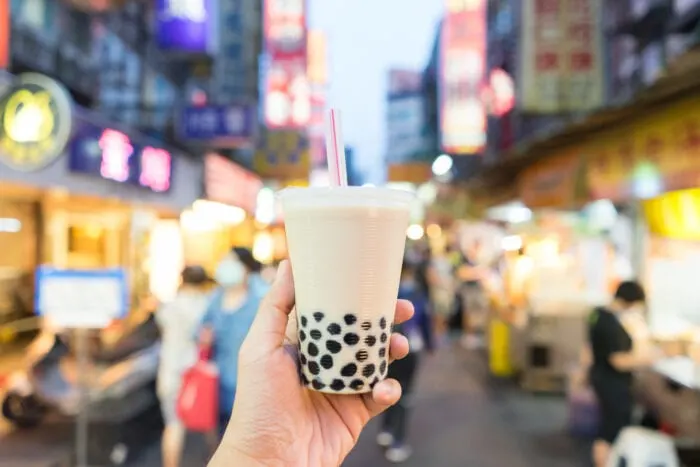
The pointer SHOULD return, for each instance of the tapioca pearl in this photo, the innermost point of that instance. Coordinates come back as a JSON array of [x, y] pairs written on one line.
[[351, 338], [383, 368], [350, 319], [333, 347], [327, 362], [318, 316], [304, 321], [368, 370], [317, 385], [314, 368], [302, 336], [374, 382], [362, 355], [357, 384], [338, 385], [312, 349], [304, 380], [382, 323], [315, 334], [370, 341], [382, 352], [334, 329], [366, 326], [384, 337], [349, 370], [302, 359]]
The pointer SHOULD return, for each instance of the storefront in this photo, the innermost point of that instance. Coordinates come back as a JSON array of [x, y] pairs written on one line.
[[82, 192], [225, 217]]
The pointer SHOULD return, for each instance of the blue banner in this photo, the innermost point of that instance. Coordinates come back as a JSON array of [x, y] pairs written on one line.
[[185, 26], [219, 125], [116, 155]]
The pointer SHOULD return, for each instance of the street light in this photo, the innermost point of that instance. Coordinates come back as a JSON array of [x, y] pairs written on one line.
[[442, 165]]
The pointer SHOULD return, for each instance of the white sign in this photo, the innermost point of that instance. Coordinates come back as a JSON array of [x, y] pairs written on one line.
[[81, 299]]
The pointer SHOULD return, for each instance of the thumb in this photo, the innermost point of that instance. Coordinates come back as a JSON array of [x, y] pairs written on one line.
[[268, 329]]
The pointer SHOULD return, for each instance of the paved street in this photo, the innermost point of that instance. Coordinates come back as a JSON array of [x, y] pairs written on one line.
[[462, 420]]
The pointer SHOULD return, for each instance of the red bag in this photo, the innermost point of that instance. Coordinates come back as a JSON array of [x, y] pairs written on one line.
[[198, 400]]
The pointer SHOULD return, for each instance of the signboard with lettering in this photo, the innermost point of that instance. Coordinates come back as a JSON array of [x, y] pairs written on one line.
[[114, 155], [81, 299], [35, 122], [185, 26], [221, 125], [283, 155], [562, 67], [287, 93], [229, 183]]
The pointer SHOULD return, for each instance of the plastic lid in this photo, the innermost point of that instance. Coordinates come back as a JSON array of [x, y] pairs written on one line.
[[345, 196]]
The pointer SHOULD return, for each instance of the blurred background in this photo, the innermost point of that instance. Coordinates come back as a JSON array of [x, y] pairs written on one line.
[[555, 143]]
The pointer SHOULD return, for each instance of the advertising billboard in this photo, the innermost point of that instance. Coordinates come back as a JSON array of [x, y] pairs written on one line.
[[461, 77], [185, 26], [287, 95]]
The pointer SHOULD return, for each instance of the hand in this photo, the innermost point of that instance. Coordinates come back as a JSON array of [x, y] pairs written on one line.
[[278, 422]]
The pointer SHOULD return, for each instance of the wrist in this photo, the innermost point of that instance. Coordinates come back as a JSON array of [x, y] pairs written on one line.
[[227, 455]]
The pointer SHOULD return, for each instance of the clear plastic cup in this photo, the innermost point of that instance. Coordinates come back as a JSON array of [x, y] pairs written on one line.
[[346, 248]]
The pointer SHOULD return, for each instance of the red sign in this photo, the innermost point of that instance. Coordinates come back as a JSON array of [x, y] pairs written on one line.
[[461, 80], [229, 183], [4, 33], [287, 90]]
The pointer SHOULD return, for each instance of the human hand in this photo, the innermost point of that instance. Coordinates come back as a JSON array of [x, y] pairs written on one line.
[[278, 422]]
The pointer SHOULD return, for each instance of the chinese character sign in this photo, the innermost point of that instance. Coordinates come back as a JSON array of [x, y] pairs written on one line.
[[116, 151], [283, 155], [155, 169], [561, 56], [185, 25], [461, 77], [223, 126], [4, 33]]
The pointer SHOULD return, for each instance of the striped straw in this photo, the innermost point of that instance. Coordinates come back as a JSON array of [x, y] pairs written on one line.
[[335, 150]]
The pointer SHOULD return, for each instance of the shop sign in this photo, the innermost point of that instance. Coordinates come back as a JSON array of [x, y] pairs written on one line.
[[283, 155], [4, 34], [562, 56], [461, 77], [185, 25], [35, 122], [554, 182], [286, 93], [113, 155], [412, 172], [229, 183], [657, 153], [220, 125]]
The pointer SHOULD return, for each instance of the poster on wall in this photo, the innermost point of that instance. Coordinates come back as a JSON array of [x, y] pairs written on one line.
[[287, 93], [461, 77], [561, 56]]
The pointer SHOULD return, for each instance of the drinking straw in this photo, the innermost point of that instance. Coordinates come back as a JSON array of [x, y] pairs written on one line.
[[335, 150]]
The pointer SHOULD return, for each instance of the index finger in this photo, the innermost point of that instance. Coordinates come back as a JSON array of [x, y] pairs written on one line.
[[404, 311]]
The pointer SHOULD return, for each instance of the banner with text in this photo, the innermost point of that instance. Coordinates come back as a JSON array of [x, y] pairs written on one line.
[[283, 155], [561, 56], [287, 100], [461, 77]]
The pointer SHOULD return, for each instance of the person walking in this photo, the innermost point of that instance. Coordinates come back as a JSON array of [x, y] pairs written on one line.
[[228, 318], [418, 330], [178, 321]]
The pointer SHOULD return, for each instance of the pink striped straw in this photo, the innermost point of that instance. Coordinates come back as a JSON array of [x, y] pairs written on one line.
[[335, 150]]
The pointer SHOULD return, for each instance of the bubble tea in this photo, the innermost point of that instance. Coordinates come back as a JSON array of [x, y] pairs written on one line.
[[346, 247]]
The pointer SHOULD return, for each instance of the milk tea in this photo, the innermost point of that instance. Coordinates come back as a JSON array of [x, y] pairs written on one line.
[[346, 248]]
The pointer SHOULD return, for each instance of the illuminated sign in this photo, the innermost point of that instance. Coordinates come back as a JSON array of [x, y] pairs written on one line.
[[35, 122], [113, 155], [184, 26], [4, 33]]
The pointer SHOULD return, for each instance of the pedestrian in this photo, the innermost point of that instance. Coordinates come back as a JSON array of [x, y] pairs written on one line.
[[228, 318], [276, 420], [442, 293], [470, 275], [178, 321], [613, 360], [418, 330]]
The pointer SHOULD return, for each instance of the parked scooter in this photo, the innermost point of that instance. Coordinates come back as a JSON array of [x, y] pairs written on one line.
[[51, 380]]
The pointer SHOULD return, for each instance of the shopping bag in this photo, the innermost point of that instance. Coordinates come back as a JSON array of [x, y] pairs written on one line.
[[198, 400]]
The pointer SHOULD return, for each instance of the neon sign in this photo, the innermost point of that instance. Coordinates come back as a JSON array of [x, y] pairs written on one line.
[[113, 155], [35, 122]]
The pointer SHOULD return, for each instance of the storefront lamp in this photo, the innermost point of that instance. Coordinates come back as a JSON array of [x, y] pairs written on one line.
[[442, 165], [219, 212], [415, 232]]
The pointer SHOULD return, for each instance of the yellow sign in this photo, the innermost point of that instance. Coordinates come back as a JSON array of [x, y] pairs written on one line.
[[283, 155], [35, 122], [657, 153], [553, 183], [413, 172]]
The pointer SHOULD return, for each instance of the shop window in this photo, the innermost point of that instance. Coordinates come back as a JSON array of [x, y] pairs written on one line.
[[87, 246]]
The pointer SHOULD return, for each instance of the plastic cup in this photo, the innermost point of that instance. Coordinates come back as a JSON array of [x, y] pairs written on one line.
[[346, 247]]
